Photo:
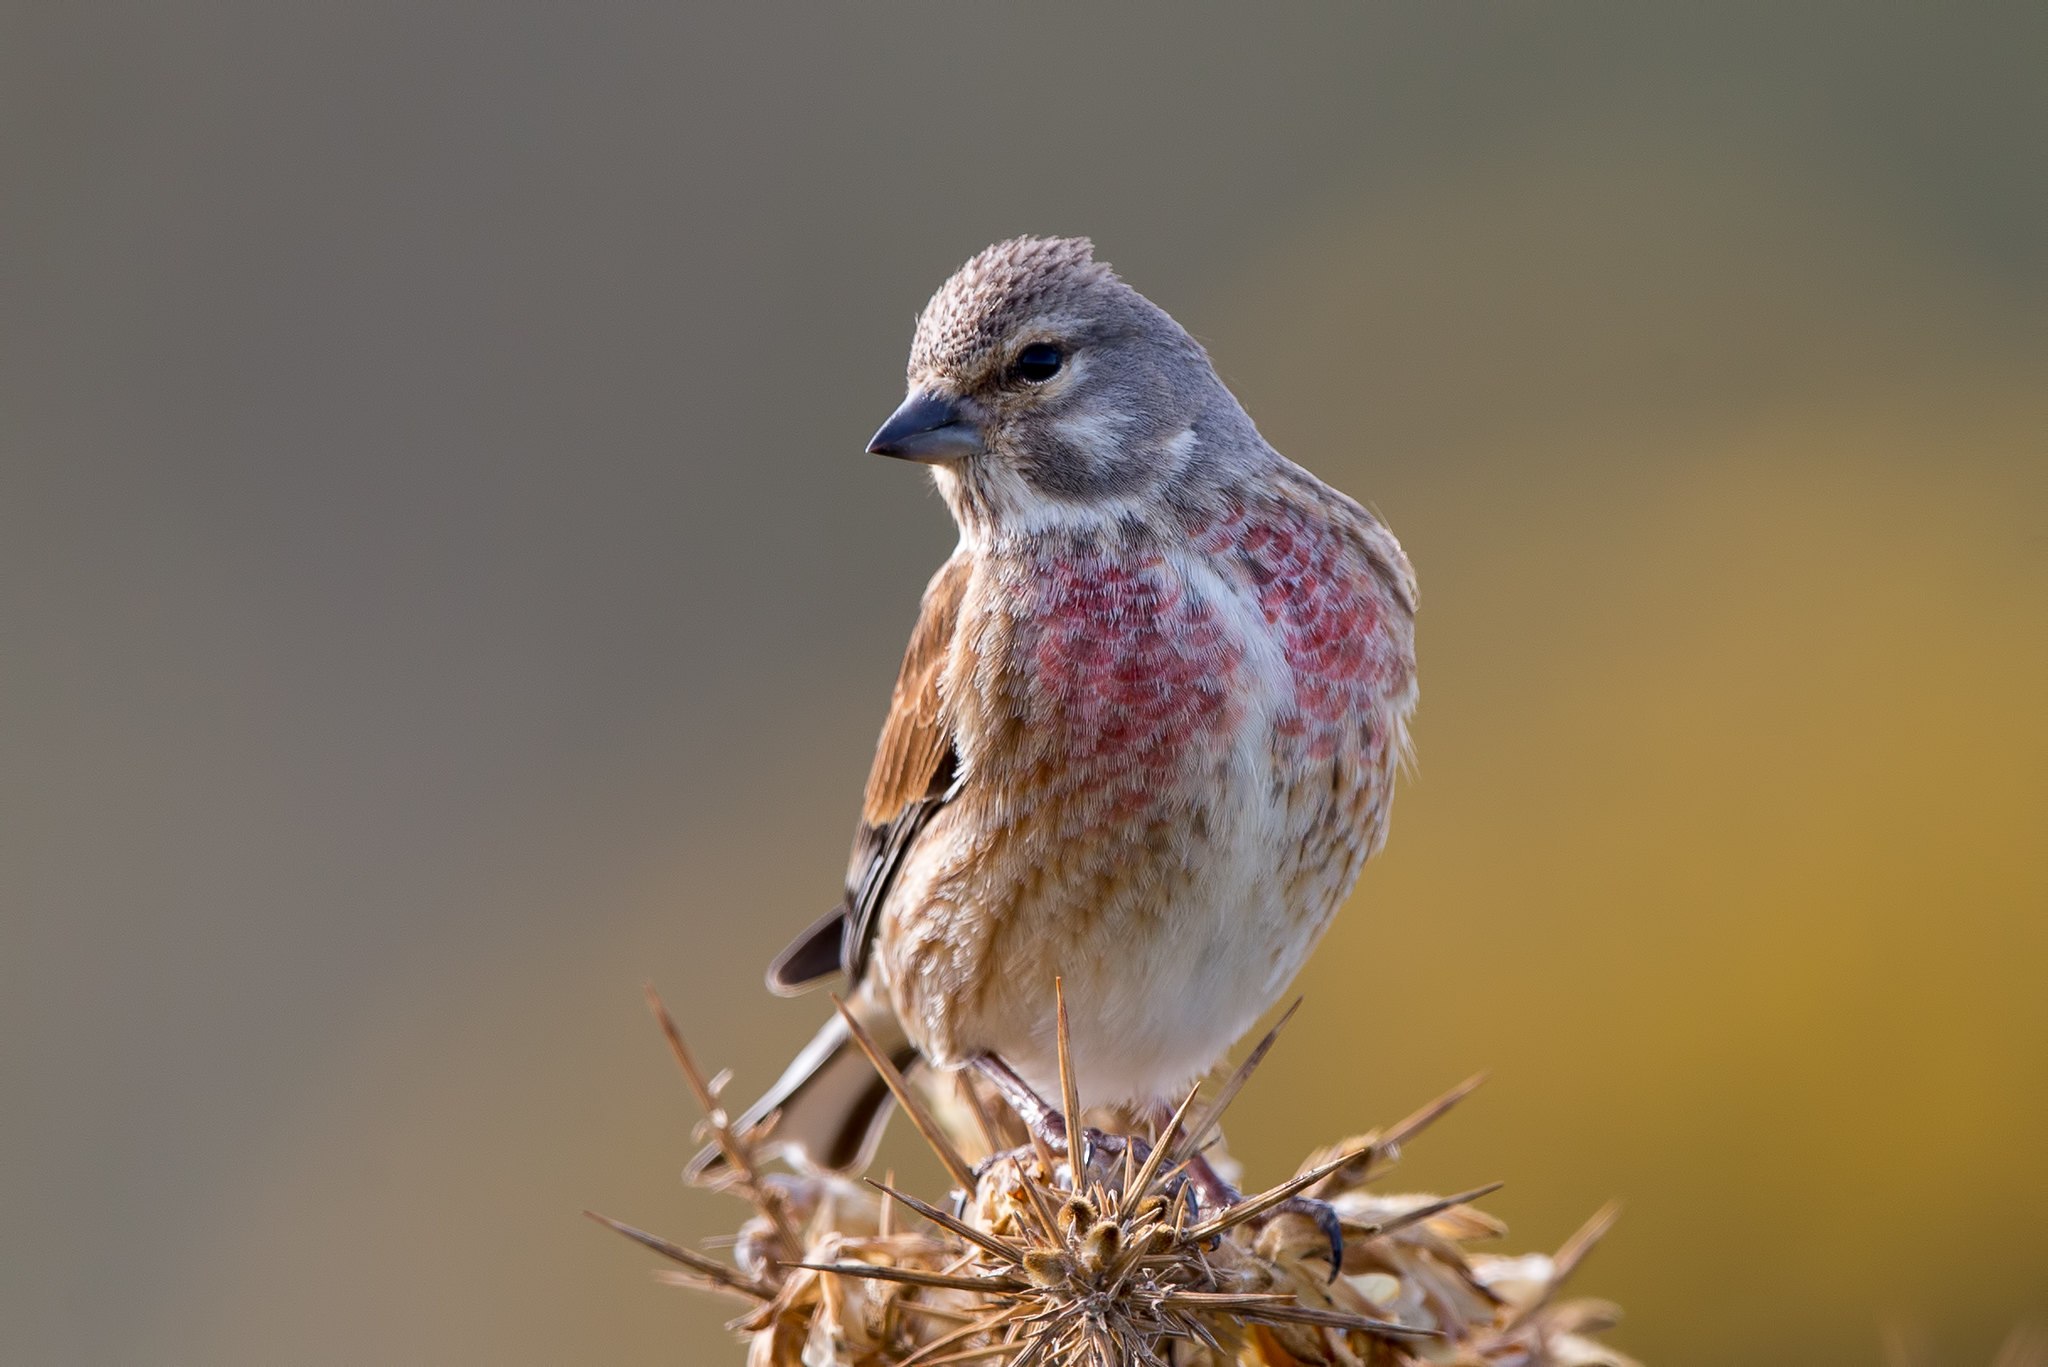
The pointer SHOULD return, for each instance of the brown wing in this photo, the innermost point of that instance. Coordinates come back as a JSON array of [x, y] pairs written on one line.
[[914, 742], [910, 779]]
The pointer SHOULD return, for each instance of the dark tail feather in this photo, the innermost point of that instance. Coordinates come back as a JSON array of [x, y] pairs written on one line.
[[833, 1103], [816, 954]]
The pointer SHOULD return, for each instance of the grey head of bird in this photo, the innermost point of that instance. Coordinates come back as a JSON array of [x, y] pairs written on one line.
[[1043, 390]]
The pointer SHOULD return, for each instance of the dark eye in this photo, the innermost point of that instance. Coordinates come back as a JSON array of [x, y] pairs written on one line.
[[1038, 362]]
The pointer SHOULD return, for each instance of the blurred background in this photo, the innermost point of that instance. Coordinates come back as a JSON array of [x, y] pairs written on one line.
[[442, 588]]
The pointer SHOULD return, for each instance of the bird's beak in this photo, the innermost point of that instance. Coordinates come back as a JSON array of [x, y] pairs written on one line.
[[928, 428]]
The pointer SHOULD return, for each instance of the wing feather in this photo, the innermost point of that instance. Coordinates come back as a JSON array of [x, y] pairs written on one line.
[[914, 740], [909, 781]]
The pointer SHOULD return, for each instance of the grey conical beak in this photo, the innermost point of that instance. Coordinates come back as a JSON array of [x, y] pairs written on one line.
[[930, 428]]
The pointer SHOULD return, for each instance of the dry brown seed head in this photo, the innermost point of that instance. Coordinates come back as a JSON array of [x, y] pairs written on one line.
[[1047, 1266], [1101, 1245]]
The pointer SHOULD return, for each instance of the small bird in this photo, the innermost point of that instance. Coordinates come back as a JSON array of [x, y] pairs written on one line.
[[1146, 730]]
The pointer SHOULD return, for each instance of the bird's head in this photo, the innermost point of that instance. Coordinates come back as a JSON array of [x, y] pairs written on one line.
[[1045, 391]]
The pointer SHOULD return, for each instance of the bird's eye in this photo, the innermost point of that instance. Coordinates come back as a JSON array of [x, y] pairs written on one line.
[[1038, 363]]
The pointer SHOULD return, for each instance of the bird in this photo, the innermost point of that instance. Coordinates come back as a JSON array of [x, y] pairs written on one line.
[[1146, 729]]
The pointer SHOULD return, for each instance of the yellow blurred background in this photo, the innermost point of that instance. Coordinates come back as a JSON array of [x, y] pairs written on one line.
[[442, 588]]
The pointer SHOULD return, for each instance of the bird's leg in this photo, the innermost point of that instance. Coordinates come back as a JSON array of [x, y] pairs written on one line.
[[1214, 1193], [1101, 1154], [1041, 1119], [1217, 1194]]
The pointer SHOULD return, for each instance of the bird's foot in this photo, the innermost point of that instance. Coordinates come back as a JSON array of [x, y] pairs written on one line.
[[1325, 1216], [1104, 1165], [1216, 1194], [1102, 1151]]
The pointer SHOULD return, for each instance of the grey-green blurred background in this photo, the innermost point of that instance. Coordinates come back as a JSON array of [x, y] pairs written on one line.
[[442, 587]]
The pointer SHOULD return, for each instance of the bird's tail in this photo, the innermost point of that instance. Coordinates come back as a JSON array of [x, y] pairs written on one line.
[[832, 1102]]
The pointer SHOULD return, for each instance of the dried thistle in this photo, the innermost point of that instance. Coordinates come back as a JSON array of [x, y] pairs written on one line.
[[1101, 1256]]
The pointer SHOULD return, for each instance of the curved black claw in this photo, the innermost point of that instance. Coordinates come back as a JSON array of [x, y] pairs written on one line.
[[1325, 1216]]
